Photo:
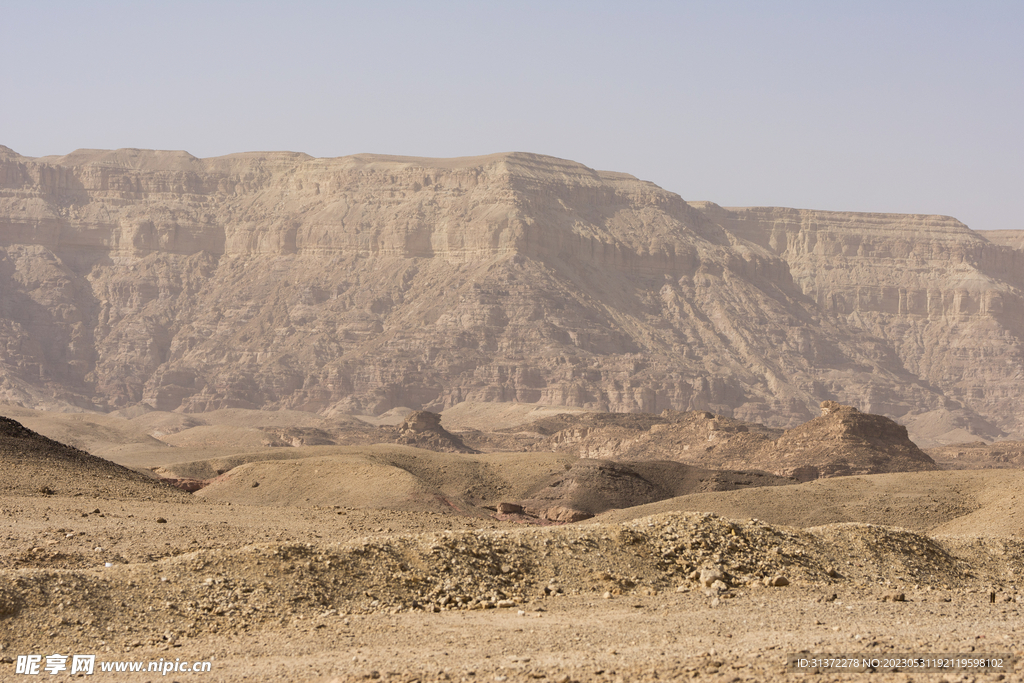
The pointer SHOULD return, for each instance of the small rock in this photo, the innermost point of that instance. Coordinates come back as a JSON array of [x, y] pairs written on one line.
[[894, 597], [710, 575], [510, 508], [778, 580], [161, 520]]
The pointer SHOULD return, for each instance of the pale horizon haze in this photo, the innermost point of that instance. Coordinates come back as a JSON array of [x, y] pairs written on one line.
[[908, 107]]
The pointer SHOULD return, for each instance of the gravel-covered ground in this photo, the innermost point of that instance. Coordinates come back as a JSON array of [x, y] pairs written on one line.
[[319, 594]]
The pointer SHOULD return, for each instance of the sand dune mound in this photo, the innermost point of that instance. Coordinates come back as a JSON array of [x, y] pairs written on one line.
[[345, 481], [33, 465], [592, 486]]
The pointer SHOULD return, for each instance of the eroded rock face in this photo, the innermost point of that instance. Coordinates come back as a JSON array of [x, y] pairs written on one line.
[[423, 429], [841, 441], [360, 284], [947, 300]]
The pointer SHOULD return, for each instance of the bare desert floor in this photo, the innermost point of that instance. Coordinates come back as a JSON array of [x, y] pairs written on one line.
[[387, 562]]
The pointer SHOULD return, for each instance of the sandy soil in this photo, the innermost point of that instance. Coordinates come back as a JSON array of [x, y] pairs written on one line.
[[323, 593], [301, 579]]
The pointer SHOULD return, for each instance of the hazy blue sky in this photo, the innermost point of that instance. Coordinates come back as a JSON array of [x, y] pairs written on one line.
[[911, 107]]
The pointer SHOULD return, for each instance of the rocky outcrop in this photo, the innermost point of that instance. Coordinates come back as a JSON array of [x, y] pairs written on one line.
[[980, 455], [423, 429], [841, 441], [844, 441], [365, 283]]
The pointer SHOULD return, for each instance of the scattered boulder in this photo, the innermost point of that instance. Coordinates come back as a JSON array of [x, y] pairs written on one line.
[[709, 575]]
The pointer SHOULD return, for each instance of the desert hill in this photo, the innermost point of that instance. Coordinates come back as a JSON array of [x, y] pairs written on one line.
[[592, 486], [33, 465], [364, 284], [840, 442], [960, 503]]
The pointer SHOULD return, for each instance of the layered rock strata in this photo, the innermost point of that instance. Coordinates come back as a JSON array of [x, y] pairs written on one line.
[[841, 441], [947, 300], [365, 283]]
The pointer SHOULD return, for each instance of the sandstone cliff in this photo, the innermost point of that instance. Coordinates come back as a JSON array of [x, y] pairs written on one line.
[[949, 301], [364, 283]]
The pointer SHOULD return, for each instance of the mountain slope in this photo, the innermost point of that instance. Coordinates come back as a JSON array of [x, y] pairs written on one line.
[[360, 284], [948, 300]]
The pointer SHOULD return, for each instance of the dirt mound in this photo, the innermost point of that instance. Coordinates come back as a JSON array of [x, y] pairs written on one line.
[[592, 486], [378, 476], [33, 465], [358, 481], [481, 479]]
